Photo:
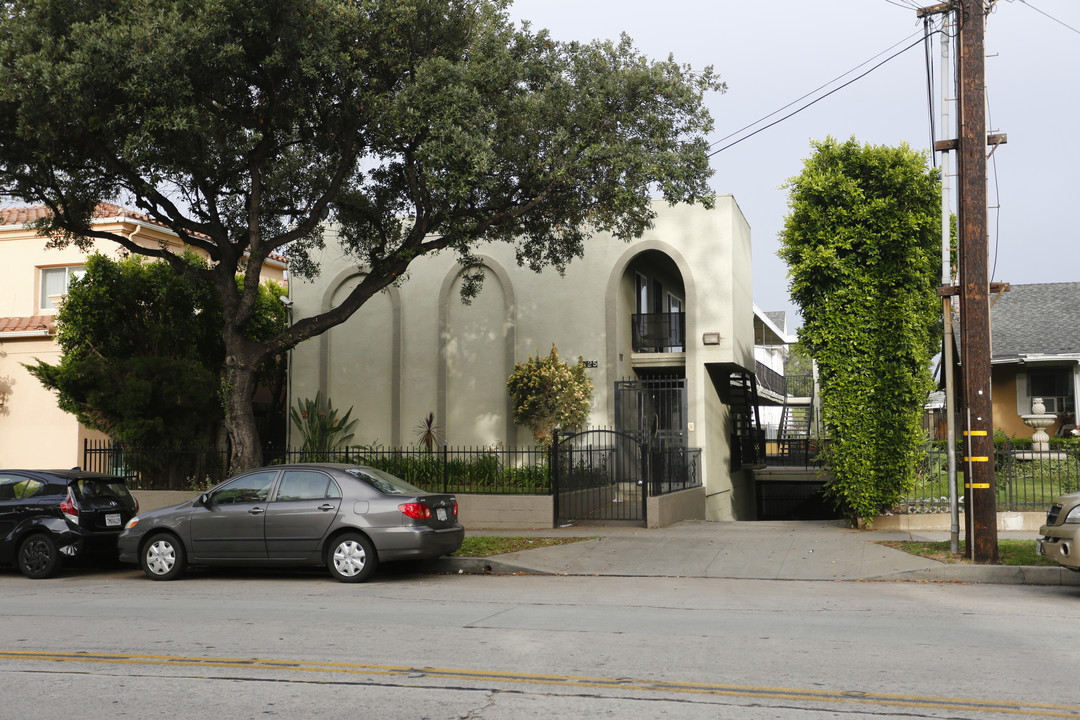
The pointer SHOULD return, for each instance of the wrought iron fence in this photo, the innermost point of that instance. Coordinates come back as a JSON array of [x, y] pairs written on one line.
[[1024, 479], [485, 471], [796, 453], [157, 468], [492, 471], [674, 469]]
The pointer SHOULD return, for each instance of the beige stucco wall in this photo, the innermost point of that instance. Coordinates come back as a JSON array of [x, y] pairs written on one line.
[[1004, 403], [1007, 409], [34, 432], [417, 349]]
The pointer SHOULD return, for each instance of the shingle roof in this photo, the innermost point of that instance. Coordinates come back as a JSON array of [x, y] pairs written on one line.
[[1041, 319], [25, 324], [779, 319]]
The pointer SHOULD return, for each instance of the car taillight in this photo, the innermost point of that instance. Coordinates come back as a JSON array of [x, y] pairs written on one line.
[[455, 508], [70, 508], [417, 511]]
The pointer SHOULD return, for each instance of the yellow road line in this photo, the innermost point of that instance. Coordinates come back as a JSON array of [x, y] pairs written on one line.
[[637, 684]]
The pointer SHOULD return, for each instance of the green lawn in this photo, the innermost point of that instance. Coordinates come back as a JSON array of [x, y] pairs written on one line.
[[497, 545], [1010, 552]]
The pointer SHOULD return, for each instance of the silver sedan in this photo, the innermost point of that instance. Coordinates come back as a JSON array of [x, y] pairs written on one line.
[[347, 518]]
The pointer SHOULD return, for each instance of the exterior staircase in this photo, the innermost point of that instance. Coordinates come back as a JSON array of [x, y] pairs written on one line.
[[747, 436]]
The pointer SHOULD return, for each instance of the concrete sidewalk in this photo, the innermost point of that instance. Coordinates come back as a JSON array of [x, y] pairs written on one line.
[[823, 550]]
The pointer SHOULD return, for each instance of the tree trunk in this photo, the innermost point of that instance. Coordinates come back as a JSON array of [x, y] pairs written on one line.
[[238, 389]]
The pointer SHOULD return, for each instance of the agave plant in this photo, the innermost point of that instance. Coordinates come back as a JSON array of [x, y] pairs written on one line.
[[322, 430]]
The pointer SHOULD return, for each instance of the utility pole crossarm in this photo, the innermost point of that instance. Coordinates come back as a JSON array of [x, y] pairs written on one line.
[[934, 9], [993, 139]]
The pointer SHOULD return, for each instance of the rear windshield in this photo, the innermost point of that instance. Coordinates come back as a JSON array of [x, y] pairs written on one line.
[[94, 490], [384, 482]]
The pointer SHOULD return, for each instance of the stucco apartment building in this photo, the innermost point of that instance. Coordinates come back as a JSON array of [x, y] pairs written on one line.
[[34, 432], [671, 312]]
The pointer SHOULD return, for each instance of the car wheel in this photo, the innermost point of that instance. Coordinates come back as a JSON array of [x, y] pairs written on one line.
[[163, 557], [351, 558], [38, 556]]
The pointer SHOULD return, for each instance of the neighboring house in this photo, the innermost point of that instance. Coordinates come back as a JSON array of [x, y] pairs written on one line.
[[665, 324], [34, 432], [1035, 338]]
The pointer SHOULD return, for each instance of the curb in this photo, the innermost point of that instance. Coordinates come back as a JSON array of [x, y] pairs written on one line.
[[946, 573], [476, 566], [996, 575]]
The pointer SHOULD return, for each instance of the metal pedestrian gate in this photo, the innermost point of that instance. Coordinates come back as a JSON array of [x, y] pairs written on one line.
[[597, 476]]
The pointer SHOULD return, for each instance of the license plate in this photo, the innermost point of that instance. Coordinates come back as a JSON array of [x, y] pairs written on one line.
[[440, 513], [112, 520]]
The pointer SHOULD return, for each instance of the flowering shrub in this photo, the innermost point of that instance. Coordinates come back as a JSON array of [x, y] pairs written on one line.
[[549, 393]]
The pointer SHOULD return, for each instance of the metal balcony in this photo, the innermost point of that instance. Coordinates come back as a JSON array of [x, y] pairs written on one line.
[[659, 332]]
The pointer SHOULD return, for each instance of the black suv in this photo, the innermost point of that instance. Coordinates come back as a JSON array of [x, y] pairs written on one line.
[[49, 515]]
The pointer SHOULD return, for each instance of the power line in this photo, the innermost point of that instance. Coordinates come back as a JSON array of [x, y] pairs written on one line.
[[820, 87], [816, 100], [930, 84], [1049, 16]]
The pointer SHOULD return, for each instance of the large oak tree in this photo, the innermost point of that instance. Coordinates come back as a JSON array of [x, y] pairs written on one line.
[[416, 125]]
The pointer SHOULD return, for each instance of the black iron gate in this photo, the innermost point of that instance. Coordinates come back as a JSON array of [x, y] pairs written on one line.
[[654, 409], [597, 476]]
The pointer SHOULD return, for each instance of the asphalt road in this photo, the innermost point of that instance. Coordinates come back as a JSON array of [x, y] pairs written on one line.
[[226, 644]]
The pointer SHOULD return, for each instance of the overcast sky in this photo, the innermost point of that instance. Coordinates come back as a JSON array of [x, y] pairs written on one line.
[[771, 54]]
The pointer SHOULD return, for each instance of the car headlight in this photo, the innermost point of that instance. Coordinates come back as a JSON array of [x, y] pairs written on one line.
[[1074, 515], [132, 523]]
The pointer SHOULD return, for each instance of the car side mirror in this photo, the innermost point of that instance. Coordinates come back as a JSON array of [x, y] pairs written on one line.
[[203, 500]]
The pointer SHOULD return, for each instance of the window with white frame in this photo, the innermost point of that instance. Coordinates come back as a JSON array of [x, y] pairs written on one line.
[[55, 282], [1054, 385]]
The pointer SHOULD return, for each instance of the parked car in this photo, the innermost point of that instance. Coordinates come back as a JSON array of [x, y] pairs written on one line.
[[1059, 538], [344, 517], [47, 516]]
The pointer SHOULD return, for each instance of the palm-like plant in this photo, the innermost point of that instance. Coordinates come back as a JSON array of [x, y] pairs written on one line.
[[322, 430], [429, 432]]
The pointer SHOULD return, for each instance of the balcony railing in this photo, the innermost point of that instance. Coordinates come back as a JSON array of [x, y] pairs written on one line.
[[659, 332], [770, 380]]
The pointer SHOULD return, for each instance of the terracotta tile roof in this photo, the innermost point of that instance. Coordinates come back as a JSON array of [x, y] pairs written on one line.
[[26, 324], [24, 215]]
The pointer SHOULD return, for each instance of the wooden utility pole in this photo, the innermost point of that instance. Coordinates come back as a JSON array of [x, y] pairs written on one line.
[[977, 421]]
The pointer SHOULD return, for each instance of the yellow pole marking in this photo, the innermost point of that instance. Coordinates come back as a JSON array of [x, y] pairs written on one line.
[[750, 691], [978, 486], [979, 433], [977, 458]]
